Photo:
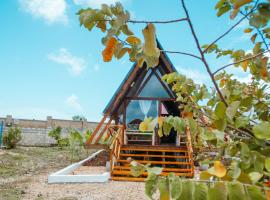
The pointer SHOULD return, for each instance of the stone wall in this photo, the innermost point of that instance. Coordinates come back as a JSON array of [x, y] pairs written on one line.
[[35, 132]]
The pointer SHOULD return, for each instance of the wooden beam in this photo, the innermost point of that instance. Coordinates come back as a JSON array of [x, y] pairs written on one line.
[[89, 141], [124, 89], [103, 131]]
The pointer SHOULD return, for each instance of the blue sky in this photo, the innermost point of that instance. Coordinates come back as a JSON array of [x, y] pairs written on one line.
[[49, 65]]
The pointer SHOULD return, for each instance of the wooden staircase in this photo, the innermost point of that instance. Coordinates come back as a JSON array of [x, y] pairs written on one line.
[[176, 159]]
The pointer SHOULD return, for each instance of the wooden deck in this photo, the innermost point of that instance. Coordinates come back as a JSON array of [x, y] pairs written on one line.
[[170, 158]]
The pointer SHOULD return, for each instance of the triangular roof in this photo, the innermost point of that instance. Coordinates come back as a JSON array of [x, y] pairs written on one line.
[[164, 64]]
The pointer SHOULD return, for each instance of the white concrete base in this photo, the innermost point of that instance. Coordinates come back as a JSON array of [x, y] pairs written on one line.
[[64, 176]]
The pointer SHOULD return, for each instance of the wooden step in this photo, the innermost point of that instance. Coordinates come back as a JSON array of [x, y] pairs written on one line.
[[156, 162], [152, 156], [126, 168], [119, 172], [153, 150]]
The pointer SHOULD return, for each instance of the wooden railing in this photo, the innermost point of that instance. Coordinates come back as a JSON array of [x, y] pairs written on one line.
[[117, 139], [190, 148]]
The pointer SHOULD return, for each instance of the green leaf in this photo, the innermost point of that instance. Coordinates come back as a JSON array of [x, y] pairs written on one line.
[[241, 121], [154, 170], [217, 192], [255, 176], [126, 30], [253, 37], [208, 134], [219, 134], [187, 190], [106, 10], [179, 124], [262, 130], [225, 8], [122, 52], [220, 124], [220, 110], [231, 109], [257, 48], [257, 20], [248, 30], [175, 186], [136, 168], [258, 162], [234, 171], [150, 185], [204, 175], [200, 191], [255, 193], [236, 191], [163, 186], [267, 164]]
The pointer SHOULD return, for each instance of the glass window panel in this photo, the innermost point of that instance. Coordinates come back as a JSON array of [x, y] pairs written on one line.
[[154, 88], [135, 114]]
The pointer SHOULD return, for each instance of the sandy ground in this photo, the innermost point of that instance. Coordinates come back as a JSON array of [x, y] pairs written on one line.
[[87, 170], [39, 188], [24, 175]]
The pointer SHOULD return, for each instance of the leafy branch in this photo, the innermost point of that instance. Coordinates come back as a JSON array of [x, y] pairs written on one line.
[[240, 61], [202, 54], [232, 27]]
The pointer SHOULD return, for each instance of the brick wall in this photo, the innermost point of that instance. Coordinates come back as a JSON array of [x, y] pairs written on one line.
[[35, 132]]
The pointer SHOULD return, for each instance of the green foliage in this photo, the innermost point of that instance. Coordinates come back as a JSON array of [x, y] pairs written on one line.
[[112, 20], [262, 130], [87, 135], [78, 118], [233, 117], [75, 143], [11, 137], [56, 134], [176, 188]]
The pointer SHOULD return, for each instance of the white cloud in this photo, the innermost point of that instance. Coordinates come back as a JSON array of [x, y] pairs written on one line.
[[75, 64], [196, 75], [52, 11], [95, 3], [73, 102]]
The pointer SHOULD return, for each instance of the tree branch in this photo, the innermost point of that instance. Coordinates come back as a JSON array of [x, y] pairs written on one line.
[[183, 53], [257, 29], [202, 54], [147, 22], [230, 29], [165, 51], [249, 58], [157, 21]]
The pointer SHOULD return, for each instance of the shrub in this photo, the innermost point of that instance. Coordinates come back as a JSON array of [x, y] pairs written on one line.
[[63, 142], [87, 135], [75, 143], [12, 137], [56, 134]]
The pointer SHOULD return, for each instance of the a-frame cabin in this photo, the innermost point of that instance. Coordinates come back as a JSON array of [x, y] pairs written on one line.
[[143, 94]]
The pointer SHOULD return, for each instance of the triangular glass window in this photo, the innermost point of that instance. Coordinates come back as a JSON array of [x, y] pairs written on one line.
[[154, 88]]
